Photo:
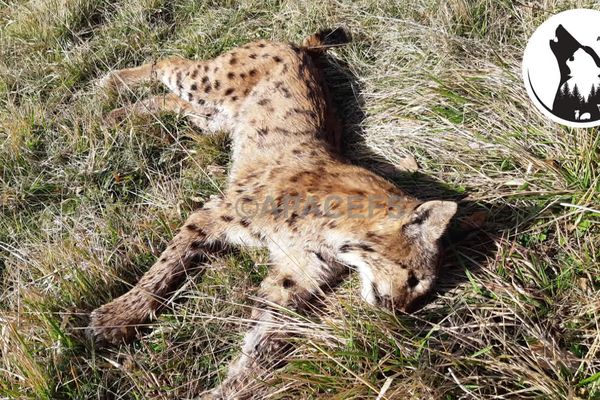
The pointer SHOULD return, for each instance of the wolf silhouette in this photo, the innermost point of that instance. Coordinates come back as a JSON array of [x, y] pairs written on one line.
[[578, 94]]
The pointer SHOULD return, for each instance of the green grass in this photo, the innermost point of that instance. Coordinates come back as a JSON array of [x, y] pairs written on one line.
[[84, 210]]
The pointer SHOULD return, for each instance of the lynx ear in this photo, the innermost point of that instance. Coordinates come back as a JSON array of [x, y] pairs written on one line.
[[430, 219]]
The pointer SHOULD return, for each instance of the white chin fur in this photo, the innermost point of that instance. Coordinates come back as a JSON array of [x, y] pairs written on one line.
[[366, 292], [366, 276]]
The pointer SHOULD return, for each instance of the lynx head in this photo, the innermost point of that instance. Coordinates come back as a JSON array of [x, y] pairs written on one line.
[[398, 262]]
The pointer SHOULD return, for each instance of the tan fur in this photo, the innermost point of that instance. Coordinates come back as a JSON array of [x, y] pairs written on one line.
[[272, 98]]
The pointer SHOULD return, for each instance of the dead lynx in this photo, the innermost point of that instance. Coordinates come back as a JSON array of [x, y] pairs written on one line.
[[288, 191]]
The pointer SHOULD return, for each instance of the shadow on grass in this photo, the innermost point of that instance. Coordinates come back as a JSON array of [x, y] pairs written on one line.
[[474, 230]]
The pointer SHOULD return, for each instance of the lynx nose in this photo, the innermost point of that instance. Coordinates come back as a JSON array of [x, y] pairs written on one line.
[[391, 304]]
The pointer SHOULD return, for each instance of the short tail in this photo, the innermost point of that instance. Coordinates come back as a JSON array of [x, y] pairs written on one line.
[[323, 40]]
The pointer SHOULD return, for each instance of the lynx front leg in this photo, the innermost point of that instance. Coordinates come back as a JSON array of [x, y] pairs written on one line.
[[264, 349], [118, 320], [295, 280]]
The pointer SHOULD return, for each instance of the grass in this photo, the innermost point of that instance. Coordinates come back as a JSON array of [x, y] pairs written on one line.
[[84, 210]]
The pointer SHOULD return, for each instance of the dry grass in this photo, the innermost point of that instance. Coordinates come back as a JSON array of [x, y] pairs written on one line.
[[84, 210]]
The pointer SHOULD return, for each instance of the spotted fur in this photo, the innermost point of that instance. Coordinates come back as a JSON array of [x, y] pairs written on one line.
[[273, 99]]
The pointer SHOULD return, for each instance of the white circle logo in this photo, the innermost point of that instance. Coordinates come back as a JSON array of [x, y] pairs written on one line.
[[561, 68]]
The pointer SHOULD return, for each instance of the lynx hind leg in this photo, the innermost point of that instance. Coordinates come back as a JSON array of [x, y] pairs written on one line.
[[128, 78], [221, 84], [118, 320], [170, 102]]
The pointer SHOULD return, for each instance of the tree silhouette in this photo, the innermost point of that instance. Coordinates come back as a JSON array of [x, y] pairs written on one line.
[[567, 102], [594, 98], [571, 105], [577, 97]]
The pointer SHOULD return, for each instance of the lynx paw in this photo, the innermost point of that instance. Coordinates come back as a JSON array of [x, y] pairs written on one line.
[[119, 320], [114, 117], [109, 82]]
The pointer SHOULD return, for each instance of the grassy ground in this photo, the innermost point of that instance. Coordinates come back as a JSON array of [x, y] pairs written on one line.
[[85, 210]]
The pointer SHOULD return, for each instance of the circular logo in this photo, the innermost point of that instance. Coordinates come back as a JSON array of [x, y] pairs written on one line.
[[561, 68]]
